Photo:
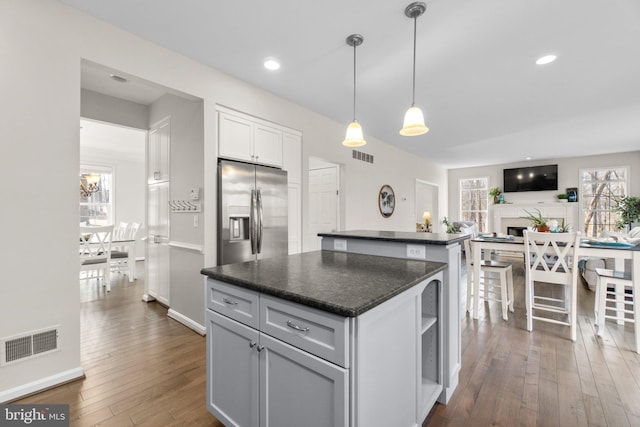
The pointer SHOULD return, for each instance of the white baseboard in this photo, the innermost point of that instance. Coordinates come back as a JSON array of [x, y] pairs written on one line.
[[41, 385], [191, 324]]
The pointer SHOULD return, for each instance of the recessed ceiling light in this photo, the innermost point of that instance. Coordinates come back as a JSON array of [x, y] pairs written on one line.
[[547, 59], [527, 158], [118, 78], [271, 64]]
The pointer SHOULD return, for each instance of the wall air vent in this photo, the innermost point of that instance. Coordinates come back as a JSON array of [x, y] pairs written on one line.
[[28, 345], [359, 155]]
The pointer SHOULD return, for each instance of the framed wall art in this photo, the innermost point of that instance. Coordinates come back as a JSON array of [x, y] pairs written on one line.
[[386, 201]]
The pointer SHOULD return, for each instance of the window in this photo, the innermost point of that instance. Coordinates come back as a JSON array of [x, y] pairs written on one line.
[[96, 195], [474, 201], [600, 189]]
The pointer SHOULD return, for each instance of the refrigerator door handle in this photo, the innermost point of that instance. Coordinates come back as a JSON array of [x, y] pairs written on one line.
[[259, 227], [253, 235]]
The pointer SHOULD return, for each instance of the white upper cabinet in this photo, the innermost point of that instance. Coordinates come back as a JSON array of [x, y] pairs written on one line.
[[292, 157], [248, 139], [267, 145], [235, 136], [158, 152]]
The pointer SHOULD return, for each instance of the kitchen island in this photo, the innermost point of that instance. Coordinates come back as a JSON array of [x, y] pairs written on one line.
[[324, 338], [441, 247]]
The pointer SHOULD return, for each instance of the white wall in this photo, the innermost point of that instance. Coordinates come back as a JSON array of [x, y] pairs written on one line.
[[39, 159], [187, 171], [568, 176], [114, 110]]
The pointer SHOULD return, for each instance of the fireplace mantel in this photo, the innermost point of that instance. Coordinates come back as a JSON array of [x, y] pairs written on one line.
[[510, 214]]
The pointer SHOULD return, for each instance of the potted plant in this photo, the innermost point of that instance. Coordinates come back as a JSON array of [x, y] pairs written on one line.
[[495, 192], [538, 222], [563, 197], [628, 209], [450, 227]]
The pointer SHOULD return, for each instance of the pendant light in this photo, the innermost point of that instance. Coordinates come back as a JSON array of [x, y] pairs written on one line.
[[354, 137], [413, 118]]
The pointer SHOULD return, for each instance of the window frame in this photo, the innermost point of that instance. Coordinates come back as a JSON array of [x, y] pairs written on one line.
[[87, 168], [582, 200], [461, 211]]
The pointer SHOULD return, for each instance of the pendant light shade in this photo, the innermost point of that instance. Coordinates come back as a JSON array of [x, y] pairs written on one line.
[[413, 122], [413, 118], [354, 136]]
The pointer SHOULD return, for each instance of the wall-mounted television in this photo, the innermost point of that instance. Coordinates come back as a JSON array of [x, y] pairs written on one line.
[[532, 178]]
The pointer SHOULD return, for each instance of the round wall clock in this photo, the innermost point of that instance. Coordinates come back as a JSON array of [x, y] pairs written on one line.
[[386, 201]]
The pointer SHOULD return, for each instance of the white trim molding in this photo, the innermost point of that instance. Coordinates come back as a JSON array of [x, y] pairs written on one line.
[[187, 246], [41, 384], [189, 323]]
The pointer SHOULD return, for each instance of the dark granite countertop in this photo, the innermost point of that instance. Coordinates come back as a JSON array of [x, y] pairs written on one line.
[[400, 236], [346, 284]]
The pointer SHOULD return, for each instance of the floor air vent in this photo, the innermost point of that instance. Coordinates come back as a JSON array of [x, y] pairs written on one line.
[[26, 346]]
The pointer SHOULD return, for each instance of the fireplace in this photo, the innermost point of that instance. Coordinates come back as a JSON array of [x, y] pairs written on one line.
[[516, 231]]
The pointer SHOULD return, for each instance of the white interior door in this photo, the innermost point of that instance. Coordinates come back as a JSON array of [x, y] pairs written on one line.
[[323, 203], [427, 201]]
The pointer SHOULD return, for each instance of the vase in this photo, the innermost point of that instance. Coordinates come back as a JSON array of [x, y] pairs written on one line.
[[542, 229]]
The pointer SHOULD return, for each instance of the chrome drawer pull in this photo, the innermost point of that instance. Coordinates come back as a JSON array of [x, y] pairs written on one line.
[[260, 348], [252, 344], [228, 301], [296, 327]]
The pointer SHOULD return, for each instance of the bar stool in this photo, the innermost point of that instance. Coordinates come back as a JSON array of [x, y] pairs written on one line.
[[612, 287], [491, 291]]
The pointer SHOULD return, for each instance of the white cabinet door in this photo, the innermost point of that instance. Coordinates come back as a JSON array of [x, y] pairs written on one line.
[[157, 270], [292, 157], [267, 145], [232, 371], [158, 152], [295, 219], [298, 389], [235, 137]]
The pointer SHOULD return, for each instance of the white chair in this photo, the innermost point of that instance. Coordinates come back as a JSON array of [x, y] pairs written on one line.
[[550, 258], [95, 251], [123, 253], [120, 230], [495, 283], [612, 288]]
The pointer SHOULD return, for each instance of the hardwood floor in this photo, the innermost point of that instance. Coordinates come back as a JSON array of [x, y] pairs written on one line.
[[144, 368], [141, 367], [513, 377]]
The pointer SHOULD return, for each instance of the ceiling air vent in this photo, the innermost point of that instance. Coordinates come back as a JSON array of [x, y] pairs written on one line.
[[359, 155], [28, 345]]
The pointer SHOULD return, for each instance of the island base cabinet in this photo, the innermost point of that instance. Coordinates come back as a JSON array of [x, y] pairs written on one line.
[[256, 380], [299, 389], [232, 371]]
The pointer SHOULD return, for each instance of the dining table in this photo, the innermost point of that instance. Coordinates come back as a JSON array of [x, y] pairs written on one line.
[[619, 251]]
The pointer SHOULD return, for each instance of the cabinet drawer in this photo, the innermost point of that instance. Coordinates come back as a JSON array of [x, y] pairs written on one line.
[[324, 334], [234, 302]]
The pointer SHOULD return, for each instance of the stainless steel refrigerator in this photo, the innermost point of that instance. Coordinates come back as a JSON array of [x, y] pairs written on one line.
[[252, 212]]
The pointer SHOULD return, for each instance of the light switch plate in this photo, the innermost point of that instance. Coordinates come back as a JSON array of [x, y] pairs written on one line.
[[416, 251], [339, 245]]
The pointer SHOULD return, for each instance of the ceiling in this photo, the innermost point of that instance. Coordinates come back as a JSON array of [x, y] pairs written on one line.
[[485, 101]]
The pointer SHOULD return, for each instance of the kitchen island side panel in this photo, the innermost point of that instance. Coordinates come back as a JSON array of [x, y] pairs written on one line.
[[449, 253]]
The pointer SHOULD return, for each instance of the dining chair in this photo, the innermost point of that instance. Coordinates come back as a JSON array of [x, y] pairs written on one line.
[[123, 253], [95, 251], [495, 283], [616, 292], [550, 258]]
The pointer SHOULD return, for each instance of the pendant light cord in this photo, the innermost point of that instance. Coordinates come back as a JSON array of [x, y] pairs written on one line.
[[415, 25], [354, 82]]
